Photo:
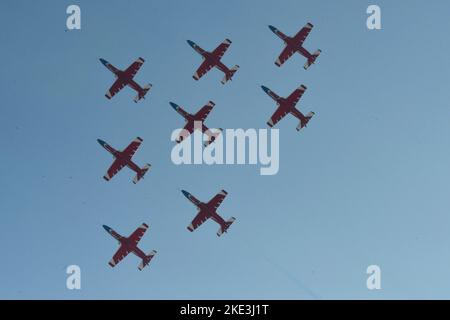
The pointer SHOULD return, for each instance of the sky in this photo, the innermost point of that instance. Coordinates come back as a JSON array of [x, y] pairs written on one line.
[[366, 183]]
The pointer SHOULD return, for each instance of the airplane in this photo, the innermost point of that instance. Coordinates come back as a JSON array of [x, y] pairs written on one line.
[[123, 158], [287, 105], [295, 44], [191, 119], [128, 245], [125, 78], [212, 59], [208, 210]]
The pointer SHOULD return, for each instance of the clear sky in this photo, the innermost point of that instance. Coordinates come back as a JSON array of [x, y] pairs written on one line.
[[366, 183]]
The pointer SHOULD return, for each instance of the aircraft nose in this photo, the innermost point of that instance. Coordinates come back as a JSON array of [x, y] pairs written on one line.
[[174, 105], [265, 89], [191, 43], [272, 28], [186, 194], [103, 61], [108, 229], [102, 143]]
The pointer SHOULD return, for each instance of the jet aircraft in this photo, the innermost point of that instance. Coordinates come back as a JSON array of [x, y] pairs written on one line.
[[208, 210], [125, 78], [295, 44], [212, 59], [129, 244], [194, 120], [123, 158], [287, 105]]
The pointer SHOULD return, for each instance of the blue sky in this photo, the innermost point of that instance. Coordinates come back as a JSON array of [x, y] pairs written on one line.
[[366, 182]]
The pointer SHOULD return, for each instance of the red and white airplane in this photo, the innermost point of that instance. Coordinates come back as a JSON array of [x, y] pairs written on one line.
[[123, 158], [208, 210], [212, 59], [192, 120], [125, 78], [295, 44], [287, 105], [128, 245]]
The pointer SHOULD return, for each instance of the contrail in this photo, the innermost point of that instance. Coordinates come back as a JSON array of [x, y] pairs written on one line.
[[284, 271], [293, 279]]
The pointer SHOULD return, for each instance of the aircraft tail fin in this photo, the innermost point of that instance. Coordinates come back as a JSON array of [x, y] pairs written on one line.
[[141, 95], [141, 174], [146, 260], [224, 228], [230, 74], [304, 122], [312, 59]]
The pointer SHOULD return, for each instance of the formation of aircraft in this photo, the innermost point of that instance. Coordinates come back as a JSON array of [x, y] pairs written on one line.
[[208, 211], [212, 59], [125, 78], [287, 105], [191, 120], [123, 158], [295, 44], [128, 245]]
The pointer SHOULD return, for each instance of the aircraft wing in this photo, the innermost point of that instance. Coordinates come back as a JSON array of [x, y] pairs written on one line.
[[297, 94], [304, 32], [119, 255], [203, 69], [115, 167], [132, 147], [188, 127], [116, 87], [204, 112], [285, 55], [222, 48], [216, 201], [136, 236], [134, 67], [277, 116], [198, 221]]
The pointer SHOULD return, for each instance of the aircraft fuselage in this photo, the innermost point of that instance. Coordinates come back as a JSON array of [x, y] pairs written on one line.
[[120, 156], [126, 242], [295, 45]]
